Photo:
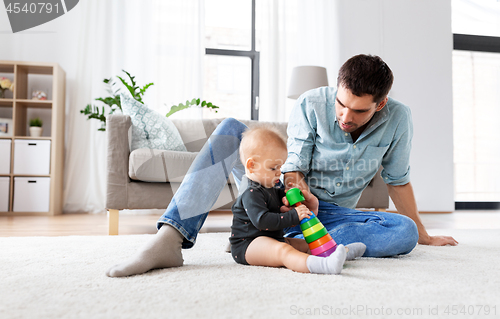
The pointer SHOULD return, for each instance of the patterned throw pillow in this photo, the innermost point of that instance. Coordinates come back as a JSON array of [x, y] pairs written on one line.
[[150, 129]]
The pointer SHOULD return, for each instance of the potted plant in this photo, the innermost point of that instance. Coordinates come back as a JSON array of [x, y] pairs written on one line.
[[36, 127], [113, 102]]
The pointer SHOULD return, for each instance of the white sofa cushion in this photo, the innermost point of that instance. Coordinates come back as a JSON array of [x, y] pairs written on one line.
[[150, 165]]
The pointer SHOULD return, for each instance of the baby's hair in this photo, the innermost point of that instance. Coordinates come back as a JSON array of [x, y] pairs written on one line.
[[259, 136]]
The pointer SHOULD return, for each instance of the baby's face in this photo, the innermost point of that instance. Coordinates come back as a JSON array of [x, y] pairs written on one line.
[[266, 168]]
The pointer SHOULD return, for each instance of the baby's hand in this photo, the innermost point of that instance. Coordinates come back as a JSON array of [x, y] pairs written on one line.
[[303, 212]]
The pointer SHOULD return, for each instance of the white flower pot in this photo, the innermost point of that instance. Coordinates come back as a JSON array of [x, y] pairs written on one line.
[[36, 131]]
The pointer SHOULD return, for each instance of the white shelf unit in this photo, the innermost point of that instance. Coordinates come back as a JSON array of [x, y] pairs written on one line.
[[38, 191]]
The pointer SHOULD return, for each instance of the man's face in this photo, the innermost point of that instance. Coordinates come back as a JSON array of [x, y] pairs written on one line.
[[352, 111]]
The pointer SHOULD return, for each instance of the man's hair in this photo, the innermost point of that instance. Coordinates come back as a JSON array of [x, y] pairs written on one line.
[[366, 75], [258, 137]]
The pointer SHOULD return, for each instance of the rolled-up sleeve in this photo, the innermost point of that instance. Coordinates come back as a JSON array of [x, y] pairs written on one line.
[[301, 137], [396, 161]]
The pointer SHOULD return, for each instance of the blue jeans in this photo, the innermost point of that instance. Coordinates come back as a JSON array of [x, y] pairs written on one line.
[[385, 234], [205, 180]]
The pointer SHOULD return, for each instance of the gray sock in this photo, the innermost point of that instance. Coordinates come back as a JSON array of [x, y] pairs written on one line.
[[355, 250], [163, 251], [327, 265]]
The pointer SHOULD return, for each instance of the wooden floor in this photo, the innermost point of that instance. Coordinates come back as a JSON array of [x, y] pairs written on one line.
[[88, 224]]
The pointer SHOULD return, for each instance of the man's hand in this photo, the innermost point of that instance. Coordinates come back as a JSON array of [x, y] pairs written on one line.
[[438, 241], [404, 199], [311, 202], [295, 179]]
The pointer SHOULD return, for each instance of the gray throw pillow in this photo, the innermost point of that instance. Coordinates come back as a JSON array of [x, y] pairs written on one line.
[[150, 129]]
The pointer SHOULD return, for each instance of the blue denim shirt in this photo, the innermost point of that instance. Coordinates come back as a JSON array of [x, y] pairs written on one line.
[[337, 169]]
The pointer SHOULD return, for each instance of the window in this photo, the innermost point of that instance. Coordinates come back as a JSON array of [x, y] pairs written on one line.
[[476, 103], [231, 62], [478, 17], [228, 85]]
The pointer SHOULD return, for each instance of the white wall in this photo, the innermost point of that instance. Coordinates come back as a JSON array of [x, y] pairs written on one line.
[[54, 41], [414, 38]]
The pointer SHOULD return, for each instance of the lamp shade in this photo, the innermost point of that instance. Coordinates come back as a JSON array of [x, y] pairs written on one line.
[[305, 78]]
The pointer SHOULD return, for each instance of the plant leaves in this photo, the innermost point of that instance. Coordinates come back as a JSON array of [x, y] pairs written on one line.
[[177, 108], [113, 101], [129, 88], [145, 88], [180, 106]]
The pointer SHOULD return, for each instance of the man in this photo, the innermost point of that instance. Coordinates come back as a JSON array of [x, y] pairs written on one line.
[[337, 141]]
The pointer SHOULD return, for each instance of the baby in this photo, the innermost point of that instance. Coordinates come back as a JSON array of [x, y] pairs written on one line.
[[257, 230]]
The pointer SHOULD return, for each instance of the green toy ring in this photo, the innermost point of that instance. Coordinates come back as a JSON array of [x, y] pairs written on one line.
[[316, 235], [309, 224]]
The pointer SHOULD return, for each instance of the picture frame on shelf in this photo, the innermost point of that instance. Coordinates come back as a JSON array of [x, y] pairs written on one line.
[[6, 127]]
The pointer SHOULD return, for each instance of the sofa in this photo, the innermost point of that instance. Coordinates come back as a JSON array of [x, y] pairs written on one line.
[[148, 179]]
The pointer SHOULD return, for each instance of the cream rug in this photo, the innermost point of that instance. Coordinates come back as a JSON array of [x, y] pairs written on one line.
[[63, 277]]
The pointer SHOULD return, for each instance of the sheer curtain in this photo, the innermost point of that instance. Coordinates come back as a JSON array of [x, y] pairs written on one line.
[[156, 41], [293, 33], [162, 42]]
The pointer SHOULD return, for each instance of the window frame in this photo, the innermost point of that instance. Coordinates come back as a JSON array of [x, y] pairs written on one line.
[[255, 59], [478, 43]]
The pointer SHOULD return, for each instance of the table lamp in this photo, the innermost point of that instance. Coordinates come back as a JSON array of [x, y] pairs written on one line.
[[305, 78]]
